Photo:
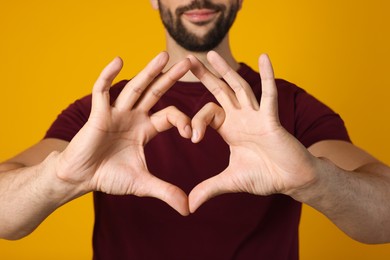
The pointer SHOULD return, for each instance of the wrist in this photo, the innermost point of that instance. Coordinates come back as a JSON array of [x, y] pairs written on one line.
[[314, 188], [59, 189]]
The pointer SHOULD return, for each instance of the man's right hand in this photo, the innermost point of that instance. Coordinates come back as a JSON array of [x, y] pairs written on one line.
[[107, 154]]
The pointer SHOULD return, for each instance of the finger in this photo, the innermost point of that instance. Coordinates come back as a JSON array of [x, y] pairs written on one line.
[[162, 84], [170, 194], [135, 87], [242, 89], [208, 189], [210, 114], [216, 86], [169, 117], [100, 92], [269, 96]]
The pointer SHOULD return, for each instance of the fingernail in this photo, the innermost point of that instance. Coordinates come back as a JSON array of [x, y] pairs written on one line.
[[195, 136], [187, 130]]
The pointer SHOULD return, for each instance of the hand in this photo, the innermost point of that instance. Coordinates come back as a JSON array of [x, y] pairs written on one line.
[[108, 152], [265, 159]]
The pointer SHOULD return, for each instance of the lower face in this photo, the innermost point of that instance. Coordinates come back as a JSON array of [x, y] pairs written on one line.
[[201, 25]]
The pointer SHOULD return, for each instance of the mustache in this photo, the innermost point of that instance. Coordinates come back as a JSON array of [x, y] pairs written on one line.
[[199, 4]]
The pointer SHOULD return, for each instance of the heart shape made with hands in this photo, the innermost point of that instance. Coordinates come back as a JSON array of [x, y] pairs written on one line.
[[116, 132]]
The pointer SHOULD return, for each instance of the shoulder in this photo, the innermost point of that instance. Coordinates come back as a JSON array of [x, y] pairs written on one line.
[[300, 113]]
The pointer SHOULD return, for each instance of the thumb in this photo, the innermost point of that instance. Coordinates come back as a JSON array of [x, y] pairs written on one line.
[[208, 189], [269, 96], [167, 192]]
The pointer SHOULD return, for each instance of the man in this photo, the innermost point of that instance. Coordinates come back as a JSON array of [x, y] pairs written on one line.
[[264, 157]]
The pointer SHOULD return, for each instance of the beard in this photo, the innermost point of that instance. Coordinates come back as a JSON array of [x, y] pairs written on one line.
[[190, 41]]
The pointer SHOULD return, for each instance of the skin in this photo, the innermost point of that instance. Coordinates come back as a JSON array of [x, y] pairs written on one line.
[[337, 178], [265, 159], [94, 160]]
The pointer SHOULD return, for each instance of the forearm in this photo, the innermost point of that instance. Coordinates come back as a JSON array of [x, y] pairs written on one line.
[[356, 201], [29, 194]]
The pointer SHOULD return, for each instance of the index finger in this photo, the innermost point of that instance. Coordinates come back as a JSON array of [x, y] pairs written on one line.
[[162, 83], [135, 87], [243, 91], [216, 86]]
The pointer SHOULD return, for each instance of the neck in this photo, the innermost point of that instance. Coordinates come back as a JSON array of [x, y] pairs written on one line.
[[178, 53]]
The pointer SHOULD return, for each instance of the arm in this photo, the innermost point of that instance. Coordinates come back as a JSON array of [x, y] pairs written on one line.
[[106, 154], [353, 191], [265, 159], [26, 188]]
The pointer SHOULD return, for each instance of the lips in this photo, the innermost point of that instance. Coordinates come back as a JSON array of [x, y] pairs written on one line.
[[200, 15]]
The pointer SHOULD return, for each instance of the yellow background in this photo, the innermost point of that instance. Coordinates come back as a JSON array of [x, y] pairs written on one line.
[[52, 51]]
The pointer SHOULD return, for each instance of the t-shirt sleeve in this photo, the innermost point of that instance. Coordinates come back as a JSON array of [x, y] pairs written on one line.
[[71, 120], [314, 121]]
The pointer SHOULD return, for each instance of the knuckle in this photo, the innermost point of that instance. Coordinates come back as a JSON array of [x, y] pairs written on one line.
[[137, 90], [150, 75], [171, 110], [171, 78], [169, 192], [158, 93], [227, 72], [213, 105], [216, 90]]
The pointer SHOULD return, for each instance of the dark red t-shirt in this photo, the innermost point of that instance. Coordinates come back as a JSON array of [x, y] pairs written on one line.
[[231, 226]]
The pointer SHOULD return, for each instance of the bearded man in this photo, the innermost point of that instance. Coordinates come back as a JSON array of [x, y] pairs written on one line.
[[234, 152]]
